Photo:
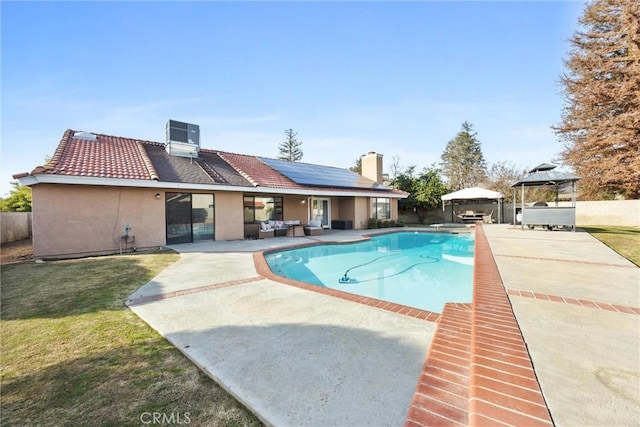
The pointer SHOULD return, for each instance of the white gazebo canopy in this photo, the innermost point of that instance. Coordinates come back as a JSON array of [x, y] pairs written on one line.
[[474, 193]]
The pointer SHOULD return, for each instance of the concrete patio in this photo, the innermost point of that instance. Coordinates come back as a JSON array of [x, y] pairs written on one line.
[[296, 357]]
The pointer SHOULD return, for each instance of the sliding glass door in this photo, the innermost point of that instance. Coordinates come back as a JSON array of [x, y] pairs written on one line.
[[202, 219], [190, 217]]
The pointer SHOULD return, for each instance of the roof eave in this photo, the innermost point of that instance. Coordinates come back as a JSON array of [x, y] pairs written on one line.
[[29, 180]]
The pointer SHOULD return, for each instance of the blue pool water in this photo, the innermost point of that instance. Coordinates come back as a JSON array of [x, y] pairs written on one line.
[[422, 270]]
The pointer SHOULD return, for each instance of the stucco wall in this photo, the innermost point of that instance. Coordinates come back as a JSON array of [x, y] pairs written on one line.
[[228, 216], [15, 226], [361, 212], [294, 209], [347, 209], [78, 220], [394, 209], [335, 207]]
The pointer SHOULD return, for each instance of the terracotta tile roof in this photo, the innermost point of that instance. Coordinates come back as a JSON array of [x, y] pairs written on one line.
[[256, 172], [105, 157]]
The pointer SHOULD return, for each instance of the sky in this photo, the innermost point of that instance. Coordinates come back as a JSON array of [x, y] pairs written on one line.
[[397, 78]]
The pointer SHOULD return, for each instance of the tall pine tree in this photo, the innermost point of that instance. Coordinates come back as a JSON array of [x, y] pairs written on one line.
[[600, 125], [462, 161], [290, 148]]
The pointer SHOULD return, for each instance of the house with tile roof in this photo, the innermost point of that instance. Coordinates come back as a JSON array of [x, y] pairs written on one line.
[[102, 194]]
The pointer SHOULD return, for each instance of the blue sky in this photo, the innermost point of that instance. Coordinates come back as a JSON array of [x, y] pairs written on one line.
[[398, 78]]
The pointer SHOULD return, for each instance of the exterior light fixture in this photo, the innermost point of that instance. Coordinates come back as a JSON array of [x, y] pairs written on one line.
[[303, 201], [158, 196]]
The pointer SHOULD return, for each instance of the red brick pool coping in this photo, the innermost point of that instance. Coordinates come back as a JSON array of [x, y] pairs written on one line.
[[478, 371], [576, 301]]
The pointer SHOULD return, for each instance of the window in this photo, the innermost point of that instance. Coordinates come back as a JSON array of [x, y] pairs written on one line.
[[380, 208], [258, 208]]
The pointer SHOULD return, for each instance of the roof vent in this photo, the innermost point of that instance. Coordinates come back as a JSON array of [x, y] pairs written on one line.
[[183, 139], [85, 136]]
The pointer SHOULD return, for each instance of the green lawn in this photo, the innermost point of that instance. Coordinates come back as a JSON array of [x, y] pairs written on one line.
[[72, 354], [623, 240]]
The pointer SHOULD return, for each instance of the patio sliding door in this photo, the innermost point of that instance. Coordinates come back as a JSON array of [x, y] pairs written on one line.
[[190, 217]]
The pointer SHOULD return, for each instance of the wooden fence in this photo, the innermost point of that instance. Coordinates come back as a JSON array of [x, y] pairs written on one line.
[[14, 226]]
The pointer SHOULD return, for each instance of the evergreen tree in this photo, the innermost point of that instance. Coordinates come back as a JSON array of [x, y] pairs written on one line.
[[19, 199], [357, 166], [462, 161], [600, 125], [290, 148]]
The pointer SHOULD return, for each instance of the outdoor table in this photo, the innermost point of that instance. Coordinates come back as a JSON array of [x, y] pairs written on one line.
[[295, 230]]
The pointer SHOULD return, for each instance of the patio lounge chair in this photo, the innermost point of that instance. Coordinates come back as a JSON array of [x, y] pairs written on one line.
[[314, 228]]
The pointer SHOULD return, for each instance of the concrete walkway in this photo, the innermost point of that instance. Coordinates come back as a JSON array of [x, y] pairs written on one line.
[[301, 358], [296, 358], [572, 297]]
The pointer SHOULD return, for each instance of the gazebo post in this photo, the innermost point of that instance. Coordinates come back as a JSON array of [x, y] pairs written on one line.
[[514, 206], [522, 209], [573, 203]]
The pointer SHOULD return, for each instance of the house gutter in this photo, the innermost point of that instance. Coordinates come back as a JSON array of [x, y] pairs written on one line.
[[29, 180]]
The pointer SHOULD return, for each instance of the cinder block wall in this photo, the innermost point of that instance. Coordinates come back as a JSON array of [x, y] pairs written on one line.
[[602, 212]]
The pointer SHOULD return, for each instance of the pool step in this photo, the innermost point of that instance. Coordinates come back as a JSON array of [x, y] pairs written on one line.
[[442, 394]]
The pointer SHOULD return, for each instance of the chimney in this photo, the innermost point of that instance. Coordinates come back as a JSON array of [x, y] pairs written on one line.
[[372, 166]]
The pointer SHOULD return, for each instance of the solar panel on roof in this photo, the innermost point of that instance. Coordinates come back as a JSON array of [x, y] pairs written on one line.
[[317, 175]]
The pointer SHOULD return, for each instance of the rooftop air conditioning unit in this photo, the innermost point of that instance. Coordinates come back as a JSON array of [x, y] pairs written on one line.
[[183, 139]]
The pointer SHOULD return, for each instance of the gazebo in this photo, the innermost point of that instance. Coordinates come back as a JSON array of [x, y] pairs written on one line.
[[474, 193], [548, 216]]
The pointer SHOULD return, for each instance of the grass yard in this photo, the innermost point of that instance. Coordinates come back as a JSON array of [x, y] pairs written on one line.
[[623, 240], [72, 354]]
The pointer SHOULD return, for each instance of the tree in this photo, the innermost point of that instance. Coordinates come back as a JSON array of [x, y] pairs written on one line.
[[395, 168], [462, 161], [19, 199], [290, 148], [357, 166], [424, 190], [501, 176], [600, 125]]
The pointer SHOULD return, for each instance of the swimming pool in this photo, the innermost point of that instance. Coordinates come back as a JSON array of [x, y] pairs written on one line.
[[421, 270]]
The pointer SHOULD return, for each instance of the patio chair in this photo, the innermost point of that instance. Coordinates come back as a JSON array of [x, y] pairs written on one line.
[[314, 228], [488, 218]]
